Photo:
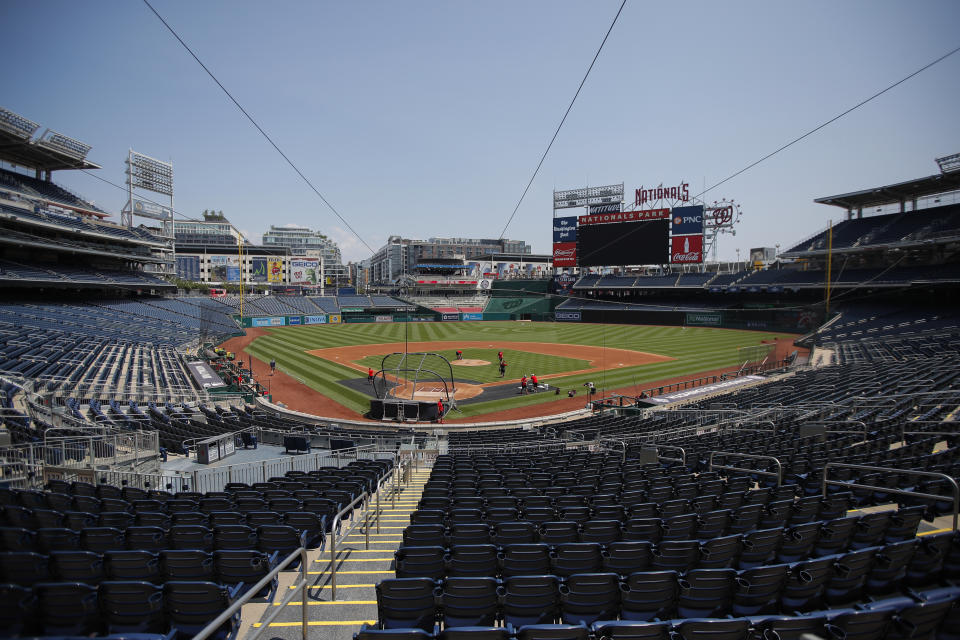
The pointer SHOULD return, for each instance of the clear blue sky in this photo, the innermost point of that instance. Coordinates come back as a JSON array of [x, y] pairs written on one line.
[[427, 118]]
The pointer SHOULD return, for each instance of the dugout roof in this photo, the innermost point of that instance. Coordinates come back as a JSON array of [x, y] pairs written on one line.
[[894, 193]]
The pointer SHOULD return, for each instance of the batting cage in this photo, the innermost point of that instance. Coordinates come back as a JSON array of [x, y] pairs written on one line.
[[414, 387]]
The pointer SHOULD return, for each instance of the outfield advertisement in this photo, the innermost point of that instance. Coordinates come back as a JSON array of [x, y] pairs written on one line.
[[292, 320], [258, 270], [567, 316], [333, 318], [275, 270], [225, 268], [268, 322], [471, 316], [304, 270], [383, 318], [314, 319], [704, 318], [451, 317]]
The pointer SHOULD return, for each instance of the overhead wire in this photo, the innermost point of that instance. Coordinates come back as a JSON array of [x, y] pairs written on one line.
[[562, 120], [258, 127], [831, 120]]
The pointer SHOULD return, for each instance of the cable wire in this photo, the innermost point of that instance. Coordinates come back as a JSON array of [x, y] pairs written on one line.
[[562, 120], [258, 127], [830, 121]]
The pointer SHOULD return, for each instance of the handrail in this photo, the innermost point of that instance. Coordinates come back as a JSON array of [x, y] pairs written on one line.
[[778, 475], [863, 424], [299, 586], [333, 539], [899, 492], [683, 453]]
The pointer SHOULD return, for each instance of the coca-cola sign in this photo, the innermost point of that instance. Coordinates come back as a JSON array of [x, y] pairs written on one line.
[[686, 249], [564, 254]]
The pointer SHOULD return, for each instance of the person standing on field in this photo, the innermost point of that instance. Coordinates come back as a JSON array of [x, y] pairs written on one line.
[[503, 367]]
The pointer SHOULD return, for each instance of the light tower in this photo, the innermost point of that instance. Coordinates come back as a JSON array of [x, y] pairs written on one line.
[[148, 174]]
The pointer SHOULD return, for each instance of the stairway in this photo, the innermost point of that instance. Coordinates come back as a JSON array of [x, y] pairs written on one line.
[[358, 571]]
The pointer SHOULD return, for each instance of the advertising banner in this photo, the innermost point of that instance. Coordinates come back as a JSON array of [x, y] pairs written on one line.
[[686, 220], [268, 322], [704, 318], [292, 320], [451, 317], [188, 267], [314, 319], [686, 249], [258, 270], [333, 318], [625, 216], [471, 316], [383, 318], [565, 229], [304, 270], [613, 207], [146, 209], [567, 316], [564, 254], [275, 270], [225, 268]]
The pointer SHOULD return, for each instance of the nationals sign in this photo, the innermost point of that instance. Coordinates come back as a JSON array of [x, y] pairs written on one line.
[[626, 216], [564, 254], [686, 249]]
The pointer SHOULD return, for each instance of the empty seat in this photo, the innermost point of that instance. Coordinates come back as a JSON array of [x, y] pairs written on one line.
[[133, 565], [588, 597], [404, 603], [190, 606], [77, 566], [469, 601], [412, 562], [132, 607], [530, 599], [650, 594]]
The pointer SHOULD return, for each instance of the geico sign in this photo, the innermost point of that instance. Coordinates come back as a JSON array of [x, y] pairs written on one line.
[[564, 253]]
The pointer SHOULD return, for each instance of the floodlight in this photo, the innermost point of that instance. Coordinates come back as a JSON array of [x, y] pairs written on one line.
[[64, 144], [17, 124], [147, 173], [949, 164]]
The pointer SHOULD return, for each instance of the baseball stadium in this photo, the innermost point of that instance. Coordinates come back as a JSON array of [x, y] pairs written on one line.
[[624, 439]]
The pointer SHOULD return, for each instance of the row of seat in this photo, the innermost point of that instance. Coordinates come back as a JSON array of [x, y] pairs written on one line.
[[836, 533], [116, 607], [927, 615], [639, 492], [585, 599], [925, 559], [314, 501], [230, 568], [268, 538], [34, 519]]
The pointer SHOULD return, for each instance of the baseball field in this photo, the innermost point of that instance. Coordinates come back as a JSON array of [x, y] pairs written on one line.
[[330, 362]]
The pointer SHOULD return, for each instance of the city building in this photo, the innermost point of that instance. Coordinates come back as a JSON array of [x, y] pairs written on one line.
[[302, 241], [400, 256]]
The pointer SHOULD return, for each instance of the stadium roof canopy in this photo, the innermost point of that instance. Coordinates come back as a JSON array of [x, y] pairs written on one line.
[[51, 151], [894, 193]]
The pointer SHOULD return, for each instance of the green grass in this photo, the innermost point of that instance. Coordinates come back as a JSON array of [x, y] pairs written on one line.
[[695, 350], [518, 364]]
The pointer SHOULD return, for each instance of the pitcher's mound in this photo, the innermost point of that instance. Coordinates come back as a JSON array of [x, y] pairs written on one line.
[[467, 362], [428, 391]]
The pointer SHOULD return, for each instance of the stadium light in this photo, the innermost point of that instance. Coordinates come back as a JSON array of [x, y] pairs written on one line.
[[949, 164], [16, 124], [64, 144], [147, 173]]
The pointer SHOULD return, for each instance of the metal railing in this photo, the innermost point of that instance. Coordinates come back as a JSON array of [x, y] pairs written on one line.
[[300, 586], [778, 475], [363, 498], [899, 492]]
